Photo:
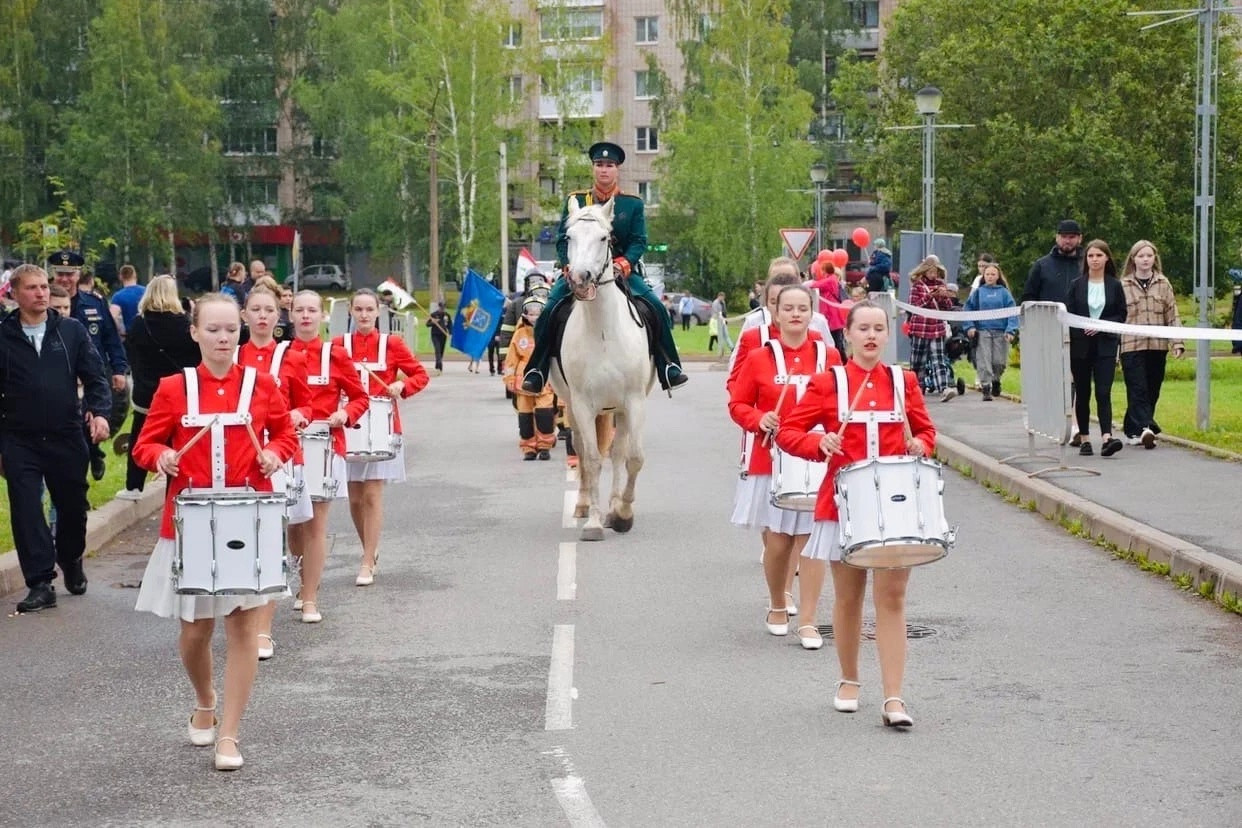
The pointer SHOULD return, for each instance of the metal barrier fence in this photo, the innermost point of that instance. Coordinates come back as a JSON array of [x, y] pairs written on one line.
[[404, 323]]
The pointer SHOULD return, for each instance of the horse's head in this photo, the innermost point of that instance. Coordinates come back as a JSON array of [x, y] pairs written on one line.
[[589, 233]]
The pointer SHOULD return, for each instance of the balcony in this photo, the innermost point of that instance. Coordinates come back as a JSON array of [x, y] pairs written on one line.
[[863, 40], [590, 105]]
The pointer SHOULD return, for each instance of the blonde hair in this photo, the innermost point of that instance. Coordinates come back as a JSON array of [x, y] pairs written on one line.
[[15, 278], [161, 296], [1128, 268], [265, 285], [931, 263], [211, 299], [783, 264]]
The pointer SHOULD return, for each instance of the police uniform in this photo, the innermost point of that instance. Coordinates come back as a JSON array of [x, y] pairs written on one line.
[[629, 243], [536, 412]]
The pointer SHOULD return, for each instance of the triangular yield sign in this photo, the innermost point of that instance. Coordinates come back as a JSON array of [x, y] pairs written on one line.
[[797, 239]]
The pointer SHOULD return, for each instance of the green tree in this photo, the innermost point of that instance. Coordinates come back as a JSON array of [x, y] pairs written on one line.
[[736, 138], [1076, 111]]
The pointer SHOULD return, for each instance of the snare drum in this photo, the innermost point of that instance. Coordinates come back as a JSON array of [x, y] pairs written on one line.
[[373, 437], [317, 468], [796, 482], [892, 513], [230, 543]]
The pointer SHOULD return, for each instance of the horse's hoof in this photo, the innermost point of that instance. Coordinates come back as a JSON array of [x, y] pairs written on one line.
[[580, 511], [592, 533], [608, 520], [619, 524]]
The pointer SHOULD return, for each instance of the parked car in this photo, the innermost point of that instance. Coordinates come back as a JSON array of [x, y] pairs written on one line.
[[702, 311], [320, 276], [197, 280]]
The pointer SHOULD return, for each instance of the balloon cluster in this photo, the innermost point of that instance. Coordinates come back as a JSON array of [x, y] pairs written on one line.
[[839, 258]]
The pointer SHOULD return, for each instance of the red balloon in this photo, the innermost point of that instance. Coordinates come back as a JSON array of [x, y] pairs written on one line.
[[824, 256], [860, 236], [815, 271], [840, 258]]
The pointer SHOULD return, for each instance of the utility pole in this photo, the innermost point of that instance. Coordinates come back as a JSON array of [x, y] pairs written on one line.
[[504, 217], [433, 254]]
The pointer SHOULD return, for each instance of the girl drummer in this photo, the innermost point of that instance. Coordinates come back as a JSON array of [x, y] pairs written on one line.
[[262, 352], [870, 390], [331, 376], [378, 358], [757, 398], [164, 446]]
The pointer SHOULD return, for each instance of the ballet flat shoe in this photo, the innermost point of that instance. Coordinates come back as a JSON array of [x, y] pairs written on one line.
[[790, 607], [204, 736], [310, 613], [366, 576], [845, 705], [810, 642], [267, 650], [777, 629], [897, 718], [228, 763]]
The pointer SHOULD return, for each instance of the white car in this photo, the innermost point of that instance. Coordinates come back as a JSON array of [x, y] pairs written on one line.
[[323, 276]]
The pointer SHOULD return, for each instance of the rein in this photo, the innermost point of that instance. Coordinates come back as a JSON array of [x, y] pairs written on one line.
[[588, 290]]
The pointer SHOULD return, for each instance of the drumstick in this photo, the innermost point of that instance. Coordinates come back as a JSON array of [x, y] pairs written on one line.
[[376, 377], [181, 452], [254, 438], [767, 438]]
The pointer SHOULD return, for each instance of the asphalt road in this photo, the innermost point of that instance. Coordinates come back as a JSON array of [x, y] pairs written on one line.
[[499, 673]]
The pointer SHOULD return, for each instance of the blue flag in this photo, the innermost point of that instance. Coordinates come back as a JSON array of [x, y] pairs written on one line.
[[478, 315]]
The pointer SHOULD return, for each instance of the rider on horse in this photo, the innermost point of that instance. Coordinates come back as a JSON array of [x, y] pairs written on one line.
[[629, 242]]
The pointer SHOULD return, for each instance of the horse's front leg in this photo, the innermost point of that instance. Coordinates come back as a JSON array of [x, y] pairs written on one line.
[[631, 456], [589, 463], [620, 516]]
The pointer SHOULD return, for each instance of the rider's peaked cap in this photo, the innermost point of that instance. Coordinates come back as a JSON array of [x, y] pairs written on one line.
[[606, 151], [66, 260]]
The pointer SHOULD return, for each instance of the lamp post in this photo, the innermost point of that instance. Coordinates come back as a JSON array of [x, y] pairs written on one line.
[[819, 174], [927, 100]]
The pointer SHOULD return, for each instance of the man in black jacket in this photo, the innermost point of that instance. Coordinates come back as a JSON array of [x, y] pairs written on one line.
[[43, 357], [1050, 276]]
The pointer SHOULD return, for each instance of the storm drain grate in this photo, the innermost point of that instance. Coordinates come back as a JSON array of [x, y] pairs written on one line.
[[868, 631]]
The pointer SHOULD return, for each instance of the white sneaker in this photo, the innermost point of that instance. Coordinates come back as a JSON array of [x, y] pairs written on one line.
[[949, 393], [1132, 441], [129, 494]]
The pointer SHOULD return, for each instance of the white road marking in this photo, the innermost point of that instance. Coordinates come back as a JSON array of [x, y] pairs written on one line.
[[576, 803], [558, 714], [567, 573], [571, 475], [568, 521]]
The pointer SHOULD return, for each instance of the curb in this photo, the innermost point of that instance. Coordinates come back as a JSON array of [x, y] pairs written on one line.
[[102, 525], [1129, 535]]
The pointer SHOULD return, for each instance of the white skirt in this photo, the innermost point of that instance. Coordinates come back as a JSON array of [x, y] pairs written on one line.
[[390, 471], [158, 596], [825, 542], [302, 510], [752, 508]]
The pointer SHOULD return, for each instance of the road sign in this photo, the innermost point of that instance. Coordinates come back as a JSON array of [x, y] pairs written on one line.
[[797, 240]]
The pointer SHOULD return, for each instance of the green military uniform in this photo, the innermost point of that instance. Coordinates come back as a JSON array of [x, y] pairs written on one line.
[[629, 241]]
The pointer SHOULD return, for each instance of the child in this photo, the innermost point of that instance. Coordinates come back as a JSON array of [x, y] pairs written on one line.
[[536, 414], [992, 336]]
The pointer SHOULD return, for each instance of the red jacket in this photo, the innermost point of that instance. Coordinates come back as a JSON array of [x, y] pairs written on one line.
[[755, 392], [326, 390], [364, 348], [819, 407], [163, 430], [923, 295], [290, 376]]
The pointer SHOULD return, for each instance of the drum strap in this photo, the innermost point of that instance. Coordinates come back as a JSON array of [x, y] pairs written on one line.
[[364, 366], [871, 418], [325, 371], [799, 381], [194, 418], [278, 356]]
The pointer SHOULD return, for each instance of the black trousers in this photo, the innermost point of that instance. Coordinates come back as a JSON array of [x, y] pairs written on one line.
[[59, 459], [495, 362], [438, 343], [1144, 375], [135, 475], [1097, 370]]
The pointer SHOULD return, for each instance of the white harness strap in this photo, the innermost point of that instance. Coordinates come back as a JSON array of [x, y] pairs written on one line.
[[277, 358], [325, 372], [765, 327], [363, 366], [871, 417], [783, 377], [193, 418]]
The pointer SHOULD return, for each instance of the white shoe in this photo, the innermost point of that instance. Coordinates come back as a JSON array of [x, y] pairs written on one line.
[[777, 629], [1148, 438], [810, 642], [228, 763], [297, 602], [949, 393], [267, 650], [366, 576], [310, 613], [1133, 441], [202, 737], [790, 607], [129, 494], [845, 705], [898, 718]]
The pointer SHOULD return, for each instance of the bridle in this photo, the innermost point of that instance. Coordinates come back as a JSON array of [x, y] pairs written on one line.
[[597, 274]]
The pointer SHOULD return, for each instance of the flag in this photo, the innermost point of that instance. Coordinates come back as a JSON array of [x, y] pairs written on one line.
[[525, 264], [478, 315], [401, 299]]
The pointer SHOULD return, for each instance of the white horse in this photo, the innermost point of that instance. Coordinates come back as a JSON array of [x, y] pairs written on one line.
[[604, 367]]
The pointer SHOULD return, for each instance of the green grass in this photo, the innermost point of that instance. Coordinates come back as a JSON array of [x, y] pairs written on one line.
[[100, 492], [1176, 410]]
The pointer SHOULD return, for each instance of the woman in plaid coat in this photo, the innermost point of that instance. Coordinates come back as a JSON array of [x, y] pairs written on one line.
[[928, 359]]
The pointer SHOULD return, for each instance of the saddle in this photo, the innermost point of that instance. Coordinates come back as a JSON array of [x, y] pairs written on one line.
[[643, 313]]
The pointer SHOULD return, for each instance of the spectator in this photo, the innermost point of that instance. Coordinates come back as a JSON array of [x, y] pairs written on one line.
[[441, 324], [1096, 294], [124, 303], [928, 359], [686, 309], [992, 336], [985, 259], [234, 284], [1051, 275], [1149, 301], [880, 268]]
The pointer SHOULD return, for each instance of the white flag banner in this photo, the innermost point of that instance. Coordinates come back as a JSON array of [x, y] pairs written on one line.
[[525, 264]]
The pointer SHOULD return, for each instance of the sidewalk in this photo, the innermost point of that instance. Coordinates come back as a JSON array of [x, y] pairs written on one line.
[[1174, 505]]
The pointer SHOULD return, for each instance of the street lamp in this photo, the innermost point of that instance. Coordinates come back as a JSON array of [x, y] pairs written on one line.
[[927, 100], [819, 174]]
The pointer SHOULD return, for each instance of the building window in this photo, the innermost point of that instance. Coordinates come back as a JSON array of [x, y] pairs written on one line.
[[706, 24], [252, 192], [556, 24], [580, 80], [323, 147], [644, 84], [649, 191], [647, 30], [250, 140], [646, 139], [866, 13], [513, 88], [547, 185], [513, 36]]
